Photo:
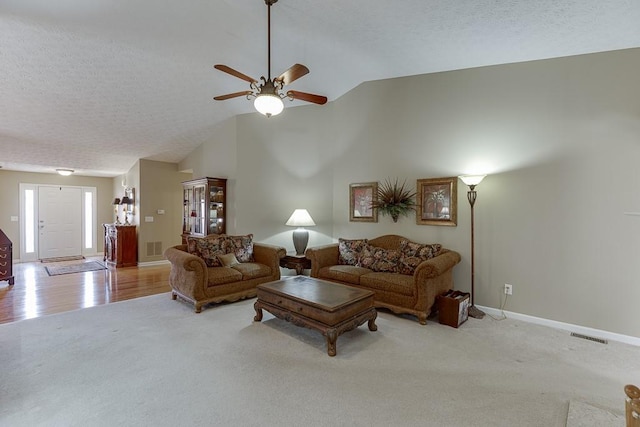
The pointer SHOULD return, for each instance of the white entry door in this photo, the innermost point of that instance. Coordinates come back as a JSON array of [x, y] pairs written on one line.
[[59, 221]]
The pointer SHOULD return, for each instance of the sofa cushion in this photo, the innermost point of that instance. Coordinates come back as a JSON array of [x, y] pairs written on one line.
[[252, 270], [380, 259], [350, 250], [207, 248], [241, 246], [343, 273], [222, 275], [389, 282], [412, 254]]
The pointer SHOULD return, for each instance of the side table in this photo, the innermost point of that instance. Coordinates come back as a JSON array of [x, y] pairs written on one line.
[[295, 262]]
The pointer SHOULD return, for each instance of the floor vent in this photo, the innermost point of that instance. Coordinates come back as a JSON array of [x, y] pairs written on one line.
[[587, 337], [154, 248]]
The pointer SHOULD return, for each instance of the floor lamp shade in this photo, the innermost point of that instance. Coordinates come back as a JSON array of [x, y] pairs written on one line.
[[300, 218]]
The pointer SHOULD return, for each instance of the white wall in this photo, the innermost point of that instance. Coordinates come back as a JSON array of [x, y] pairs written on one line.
[[560, 140]]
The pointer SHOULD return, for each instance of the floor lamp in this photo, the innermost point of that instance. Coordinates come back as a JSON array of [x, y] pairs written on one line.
[[472, 181]]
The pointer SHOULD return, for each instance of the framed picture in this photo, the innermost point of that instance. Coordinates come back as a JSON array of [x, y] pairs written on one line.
[[361, 197], [437, 201]]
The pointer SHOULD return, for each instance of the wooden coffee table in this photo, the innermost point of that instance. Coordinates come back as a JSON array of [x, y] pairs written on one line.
[[330, 308]]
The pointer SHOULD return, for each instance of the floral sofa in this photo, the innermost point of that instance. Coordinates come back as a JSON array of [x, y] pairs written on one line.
[[405, 276], [220, 268]]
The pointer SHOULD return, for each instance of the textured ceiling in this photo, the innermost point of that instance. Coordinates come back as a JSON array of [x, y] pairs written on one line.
[[95, 85]]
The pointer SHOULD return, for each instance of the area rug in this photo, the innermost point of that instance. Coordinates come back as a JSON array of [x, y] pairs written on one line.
[[62, 258], [75, 268]]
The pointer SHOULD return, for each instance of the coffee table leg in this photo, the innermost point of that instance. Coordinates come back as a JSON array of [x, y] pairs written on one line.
[[258, 316], [332, 337], [372, 322]]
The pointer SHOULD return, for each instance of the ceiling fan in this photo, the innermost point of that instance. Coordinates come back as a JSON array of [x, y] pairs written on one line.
[[268, 96]]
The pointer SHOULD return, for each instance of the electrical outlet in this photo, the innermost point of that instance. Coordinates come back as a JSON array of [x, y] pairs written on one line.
[[508, 289]]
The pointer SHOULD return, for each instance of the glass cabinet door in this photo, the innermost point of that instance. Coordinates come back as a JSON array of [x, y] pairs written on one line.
[[186, 210], [216, 209], [199, 210]]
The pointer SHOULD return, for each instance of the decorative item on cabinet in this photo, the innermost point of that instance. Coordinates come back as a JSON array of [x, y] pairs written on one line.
[[204, 207], [6, 259], [128, 202], [120, 245]]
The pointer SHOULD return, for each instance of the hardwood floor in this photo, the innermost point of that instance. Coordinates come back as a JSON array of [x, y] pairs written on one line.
[[36, 294]]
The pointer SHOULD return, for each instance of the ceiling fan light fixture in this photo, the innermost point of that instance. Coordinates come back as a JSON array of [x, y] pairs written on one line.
[[268, 104]]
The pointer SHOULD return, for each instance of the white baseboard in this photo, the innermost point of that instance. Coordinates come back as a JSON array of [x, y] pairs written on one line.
[[152, 263], [598, 333]]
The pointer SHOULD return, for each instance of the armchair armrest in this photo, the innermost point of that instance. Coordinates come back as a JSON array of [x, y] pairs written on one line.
[[322, 256]]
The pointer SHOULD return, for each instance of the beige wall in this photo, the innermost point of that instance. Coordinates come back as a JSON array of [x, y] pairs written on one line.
[[559, 139], [160, 188]]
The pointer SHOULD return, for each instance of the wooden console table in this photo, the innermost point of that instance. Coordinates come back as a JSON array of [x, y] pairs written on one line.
[[120, 245], [295, 262]]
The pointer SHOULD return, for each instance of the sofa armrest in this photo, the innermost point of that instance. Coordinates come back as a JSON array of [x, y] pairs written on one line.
[[269, 255], [322, 256], [436, 266], [188, 272]]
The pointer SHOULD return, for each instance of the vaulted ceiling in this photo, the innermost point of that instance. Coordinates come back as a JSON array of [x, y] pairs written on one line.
[[95, 85]]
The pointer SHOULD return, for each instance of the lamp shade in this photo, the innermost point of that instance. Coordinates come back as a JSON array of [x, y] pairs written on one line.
[[116, 201], [300, 218], [268, 104], [126, 200], [472, 179]]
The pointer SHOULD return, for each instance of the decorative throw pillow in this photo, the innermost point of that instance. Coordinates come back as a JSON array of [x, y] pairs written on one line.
[[207, 248], [228, 260], [412, 254], [380, 259], [240, 246], [350, 250]]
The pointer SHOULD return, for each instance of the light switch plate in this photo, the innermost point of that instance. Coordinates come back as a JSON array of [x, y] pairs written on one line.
[[148, 219]]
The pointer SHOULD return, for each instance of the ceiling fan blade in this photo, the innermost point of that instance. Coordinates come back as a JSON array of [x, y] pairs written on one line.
[[309, 97], [234, 73], [232, 95], [293, 73]]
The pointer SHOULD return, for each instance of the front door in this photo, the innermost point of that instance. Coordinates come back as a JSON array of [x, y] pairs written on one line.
[[59, 221]]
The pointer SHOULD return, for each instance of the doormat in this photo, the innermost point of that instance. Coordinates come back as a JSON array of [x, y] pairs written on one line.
[[62, 258], [75, 268]]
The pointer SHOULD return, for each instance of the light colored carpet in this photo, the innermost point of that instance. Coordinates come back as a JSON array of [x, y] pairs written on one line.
[[75, 268], [582, 414], [152, 361]]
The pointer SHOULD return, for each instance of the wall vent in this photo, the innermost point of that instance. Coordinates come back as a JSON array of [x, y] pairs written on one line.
[[154, 248], [587, 337]]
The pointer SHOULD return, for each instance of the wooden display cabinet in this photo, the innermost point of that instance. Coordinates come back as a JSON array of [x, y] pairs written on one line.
[[120, 245], [204, 208]]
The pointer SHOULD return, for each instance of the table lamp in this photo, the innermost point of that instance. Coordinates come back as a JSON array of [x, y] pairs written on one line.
[[300, 218]]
